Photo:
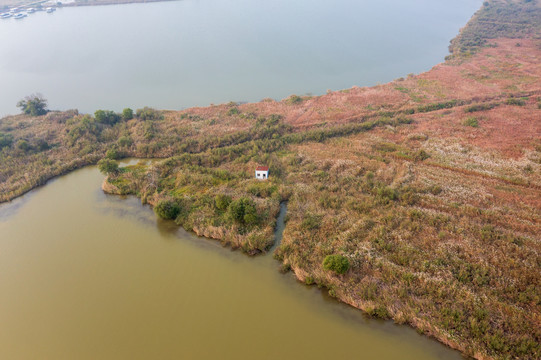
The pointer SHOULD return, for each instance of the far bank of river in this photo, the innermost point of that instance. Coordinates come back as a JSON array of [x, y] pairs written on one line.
[[87, 275]]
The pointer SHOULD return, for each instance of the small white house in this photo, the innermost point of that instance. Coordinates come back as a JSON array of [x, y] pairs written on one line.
[[262, 172]]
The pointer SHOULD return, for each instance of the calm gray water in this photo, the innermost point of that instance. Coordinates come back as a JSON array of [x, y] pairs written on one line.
[[197, 52]]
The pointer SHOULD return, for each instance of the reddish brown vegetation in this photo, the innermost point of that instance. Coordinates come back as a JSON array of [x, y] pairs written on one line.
[[494, 74]]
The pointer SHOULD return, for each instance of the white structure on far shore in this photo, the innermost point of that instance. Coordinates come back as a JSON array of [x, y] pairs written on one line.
[[262, 172]]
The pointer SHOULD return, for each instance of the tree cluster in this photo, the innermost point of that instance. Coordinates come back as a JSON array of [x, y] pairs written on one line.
[[33, 105]]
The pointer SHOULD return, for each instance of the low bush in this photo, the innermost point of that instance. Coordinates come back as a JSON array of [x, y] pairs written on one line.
[[294, 99], [438, 106], [148, 113], [481, 107], [5, 140], [233, 111], [471, 121], [337, 263], [167, 209], [421, 155], [515, 101], [222, 201]]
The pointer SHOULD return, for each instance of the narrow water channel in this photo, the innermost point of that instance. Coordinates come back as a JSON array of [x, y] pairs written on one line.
[[84, 275], [280, 226]]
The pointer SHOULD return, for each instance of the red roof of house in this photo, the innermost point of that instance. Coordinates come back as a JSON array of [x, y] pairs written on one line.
[[262, 168]]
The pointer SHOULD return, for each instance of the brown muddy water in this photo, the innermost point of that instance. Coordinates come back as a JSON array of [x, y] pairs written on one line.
[[84, 275]]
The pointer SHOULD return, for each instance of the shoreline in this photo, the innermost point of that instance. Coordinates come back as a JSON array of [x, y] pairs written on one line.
[[112, 2], [8, 7]]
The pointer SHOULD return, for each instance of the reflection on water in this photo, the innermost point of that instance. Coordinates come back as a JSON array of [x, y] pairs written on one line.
[[84, 275], [10, 209]]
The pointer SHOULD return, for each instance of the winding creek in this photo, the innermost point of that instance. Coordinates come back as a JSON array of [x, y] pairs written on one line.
[[85, 275]]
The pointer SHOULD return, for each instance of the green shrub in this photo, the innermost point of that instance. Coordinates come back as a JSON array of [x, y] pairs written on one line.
[[42, 145], [515, 101], [481, 107], [387, 194], [222, 201], [285, 268], [167, 209], [421, 155], [23, 145], [5, 140], [437, 106], [148, 113], [294, 99], [311, 221], [261, 189], [435, 189], [337, 263], [233, 111], [471, 121], [149, 130], [379, 312]]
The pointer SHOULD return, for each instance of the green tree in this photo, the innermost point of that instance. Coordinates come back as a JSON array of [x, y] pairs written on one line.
[[113, 154], [167, 209], [337, 263], [127, 114], [108, 166], [33, 105], [243, 211], [106, 117]]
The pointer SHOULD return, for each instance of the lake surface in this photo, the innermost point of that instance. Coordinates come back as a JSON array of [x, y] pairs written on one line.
[[84, 275], [196, 52]]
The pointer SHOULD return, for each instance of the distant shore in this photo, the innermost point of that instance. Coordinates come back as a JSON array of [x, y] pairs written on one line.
[[23, 5], [109, 2]]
